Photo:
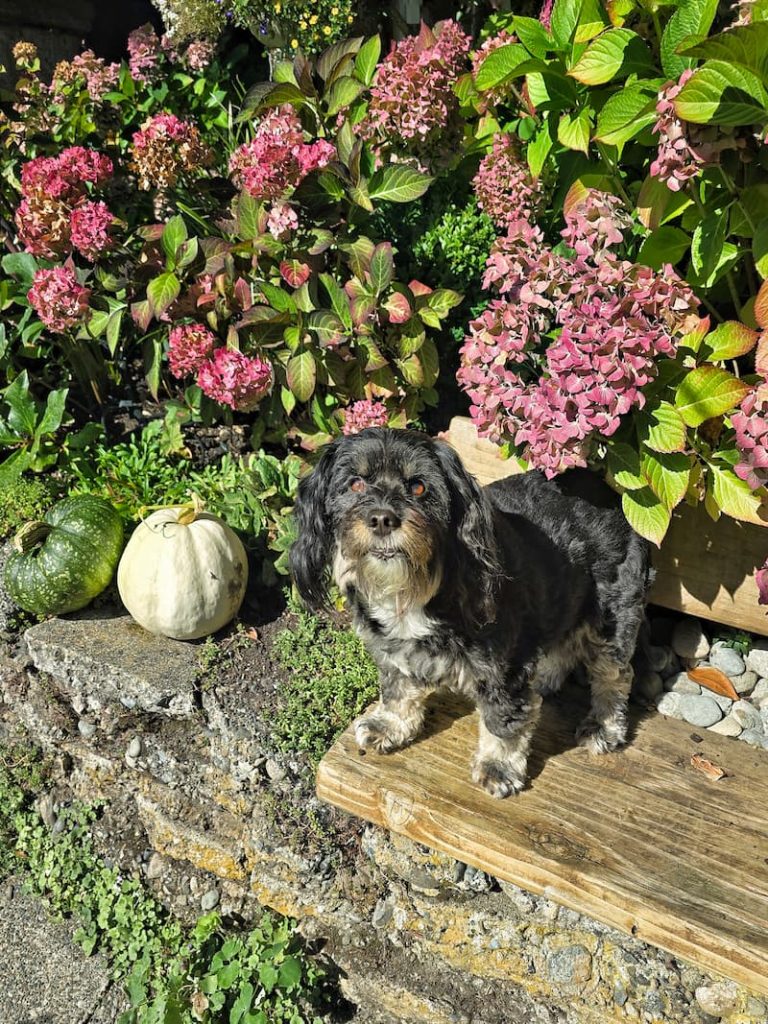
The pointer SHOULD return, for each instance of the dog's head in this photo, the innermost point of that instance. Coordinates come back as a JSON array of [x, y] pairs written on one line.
[[395, 514]]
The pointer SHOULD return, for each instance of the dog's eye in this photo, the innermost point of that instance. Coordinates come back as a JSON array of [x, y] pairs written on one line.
[[357, 484], [418, 488]]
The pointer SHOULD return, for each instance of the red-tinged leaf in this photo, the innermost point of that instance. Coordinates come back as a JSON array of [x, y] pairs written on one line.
[[761, 306], [243, 293], [761, 355], [729, 341], [355, 289], [141, 314], [697, 334], [714, 679], [151, 232], [382, 267], [418, 288], [294, 272], [398, 308], [361, 309]]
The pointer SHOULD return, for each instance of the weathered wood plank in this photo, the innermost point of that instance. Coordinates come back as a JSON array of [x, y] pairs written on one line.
[[702, 568], [638, 839]]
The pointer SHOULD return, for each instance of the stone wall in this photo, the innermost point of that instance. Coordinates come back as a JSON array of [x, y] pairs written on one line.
[[201, 807]]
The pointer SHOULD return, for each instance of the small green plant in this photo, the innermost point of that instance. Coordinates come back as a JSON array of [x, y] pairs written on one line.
[[22, 500], [173, 975], [456, 247], [332, 679]]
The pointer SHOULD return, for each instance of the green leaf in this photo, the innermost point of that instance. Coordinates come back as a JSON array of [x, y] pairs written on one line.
[[398, 184], [533, 36], [728, 341], [339, 299], [538, 149], [623, 464], [657, 204], [430, 361], [499, 65], [360, 195], [664, 245], [626, 114], [592, 20], [268, 976], [22, 418], [382, 267], [708, 391], [277, 298], [248, 216], [745, 45], [760, 248], [152, 352], [707, 245], [301, 375], [565, 18], [114, 323], [290, 973], [646, 514], [721, 93], [342, 93], [662, 429], [162, 292], [442, 301], [618, 49], [21, 265], [734, 496], [692, 17], [327, 326], [367, 59], [54, 412], [174, 233], [330, 57], [573, 131], [667, 475]]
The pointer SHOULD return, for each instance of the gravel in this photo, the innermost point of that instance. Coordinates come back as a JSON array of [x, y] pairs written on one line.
[[745, 683]]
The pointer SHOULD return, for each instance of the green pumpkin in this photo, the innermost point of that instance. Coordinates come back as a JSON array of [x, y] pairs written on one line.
[[62, 562]]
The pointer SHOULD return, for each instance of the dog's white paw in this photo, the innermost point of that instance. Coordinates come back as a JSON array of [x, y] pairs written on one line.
[[498, 778], [378, 732], [599, 739]]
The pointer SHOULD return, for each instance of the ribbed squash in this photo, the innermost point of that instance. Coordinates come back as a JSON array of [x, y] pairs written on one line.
[[60, 563], [183, 573]]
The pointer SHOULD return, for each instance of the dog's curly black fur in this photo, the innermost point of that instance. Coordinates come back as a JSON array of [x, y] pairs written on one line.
[[497, 592]]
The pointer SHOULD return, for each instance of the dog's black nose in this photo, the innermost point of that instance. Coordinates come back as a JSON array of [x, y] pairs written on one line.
[[383, 521]]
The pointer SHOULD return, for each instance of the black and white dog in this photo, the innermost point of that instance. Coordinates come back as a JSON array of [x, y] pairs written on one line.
[[494, 592]]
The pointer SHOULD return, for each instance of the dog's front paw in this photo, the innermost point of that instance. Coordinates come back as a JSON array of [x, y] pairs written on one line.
[[380, 732], [599, 738], [498, 778]]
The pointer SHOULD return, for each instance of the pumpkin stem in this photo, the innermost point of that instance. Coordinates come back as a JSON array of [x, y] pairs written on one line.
[[187, 516], [30, 535]]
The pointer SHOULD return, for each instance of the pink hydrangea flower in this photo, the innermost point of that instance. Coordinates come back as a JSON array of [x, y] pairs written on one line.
[[199, 54], [545, 14], [682, 151], [499, 93], [761, 579], [281, 219], [595, 223], [362, 414], [505, 190], [165, 148], [189, 346], [413, 104], [58, 299], [90, 223], [751, 425], [144, 53], [66, 175], [277, 158], [234, 379]]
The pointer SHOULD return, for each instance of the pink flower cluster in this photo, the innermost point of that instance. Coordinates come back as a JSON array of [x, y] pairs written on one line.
[[223, 374], [165, 148], [505, 190], [365, 413], [568, 349], [751, 426], [58, 299], [92, 71], [277, 158], [199, 54], [595, 223], [413, 104], [681, 151], [281, 219], [545, 14], [144, 53], [499, 93], [55, 213], [235, 379]]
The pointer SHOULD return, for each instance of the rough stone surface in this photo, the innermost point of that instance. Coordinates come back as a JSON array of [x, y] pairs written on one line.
[[727, 660], [689, 639], [755, 738], [747, 715], [719, 998], [757, 659], [103, 661], [745, 683], [669, 704], [45, 976], [760, 692], [7, 608], [680, 682], [701, 711]]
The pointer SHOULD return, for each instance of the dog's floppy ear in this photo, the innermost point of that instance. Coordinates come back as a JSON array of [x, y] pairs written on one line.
[[477, 555], [310, 552]]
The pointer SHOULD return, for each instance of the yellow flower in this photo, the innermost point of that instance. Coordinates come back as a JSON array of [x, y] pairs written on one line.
[[278, 8], [350, 19], [294, 44], [326, 30], [313, 19], [334, 11], [303, 26]]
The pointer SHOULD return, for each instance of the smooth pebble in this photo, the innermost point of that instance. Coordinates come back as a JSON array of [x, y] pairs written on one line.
[[701, 711], [747, 715], [689, 639], [757, 659], [746, 682], [728, 726], [727, 660], [681, 683]]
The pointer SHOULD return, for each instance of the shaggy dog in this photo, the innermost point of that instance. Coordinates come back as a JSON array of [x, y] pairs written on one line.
[[494, 592]]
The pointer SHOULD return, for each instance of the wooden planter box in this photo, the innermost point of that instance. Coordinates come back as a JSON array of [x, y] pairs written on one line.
[[703, 568]]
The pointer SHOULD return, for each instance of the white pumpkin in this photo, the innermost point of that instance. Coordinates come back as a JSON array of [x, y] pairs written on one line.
[[183, 573]]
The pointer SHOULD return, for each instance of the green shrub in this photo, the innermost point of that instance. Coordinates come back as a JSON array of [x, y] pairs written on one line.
[[456, 247], [21, 500]]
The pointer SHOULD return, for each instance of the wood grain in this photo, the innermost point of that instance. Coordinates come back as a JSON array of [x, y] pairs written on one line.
[[703, 568], [639, 839]]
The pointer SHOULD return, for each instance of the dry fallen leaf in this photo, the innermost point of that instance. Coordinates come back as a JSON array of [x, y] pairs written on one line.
[[704, 765], [252, 633], [714, 680]]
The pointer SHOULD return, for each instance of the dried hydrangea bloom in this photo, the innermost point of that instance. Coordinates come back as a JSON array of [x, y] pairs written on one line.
[[751, 425], [144, 53], [682, 150], [595, 223], [24, 53], [43, 224], [234, 379], [189, 346], [58, 299], [362, 414], [505, 190], [199, 54], [165, 149], [95, 74]]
